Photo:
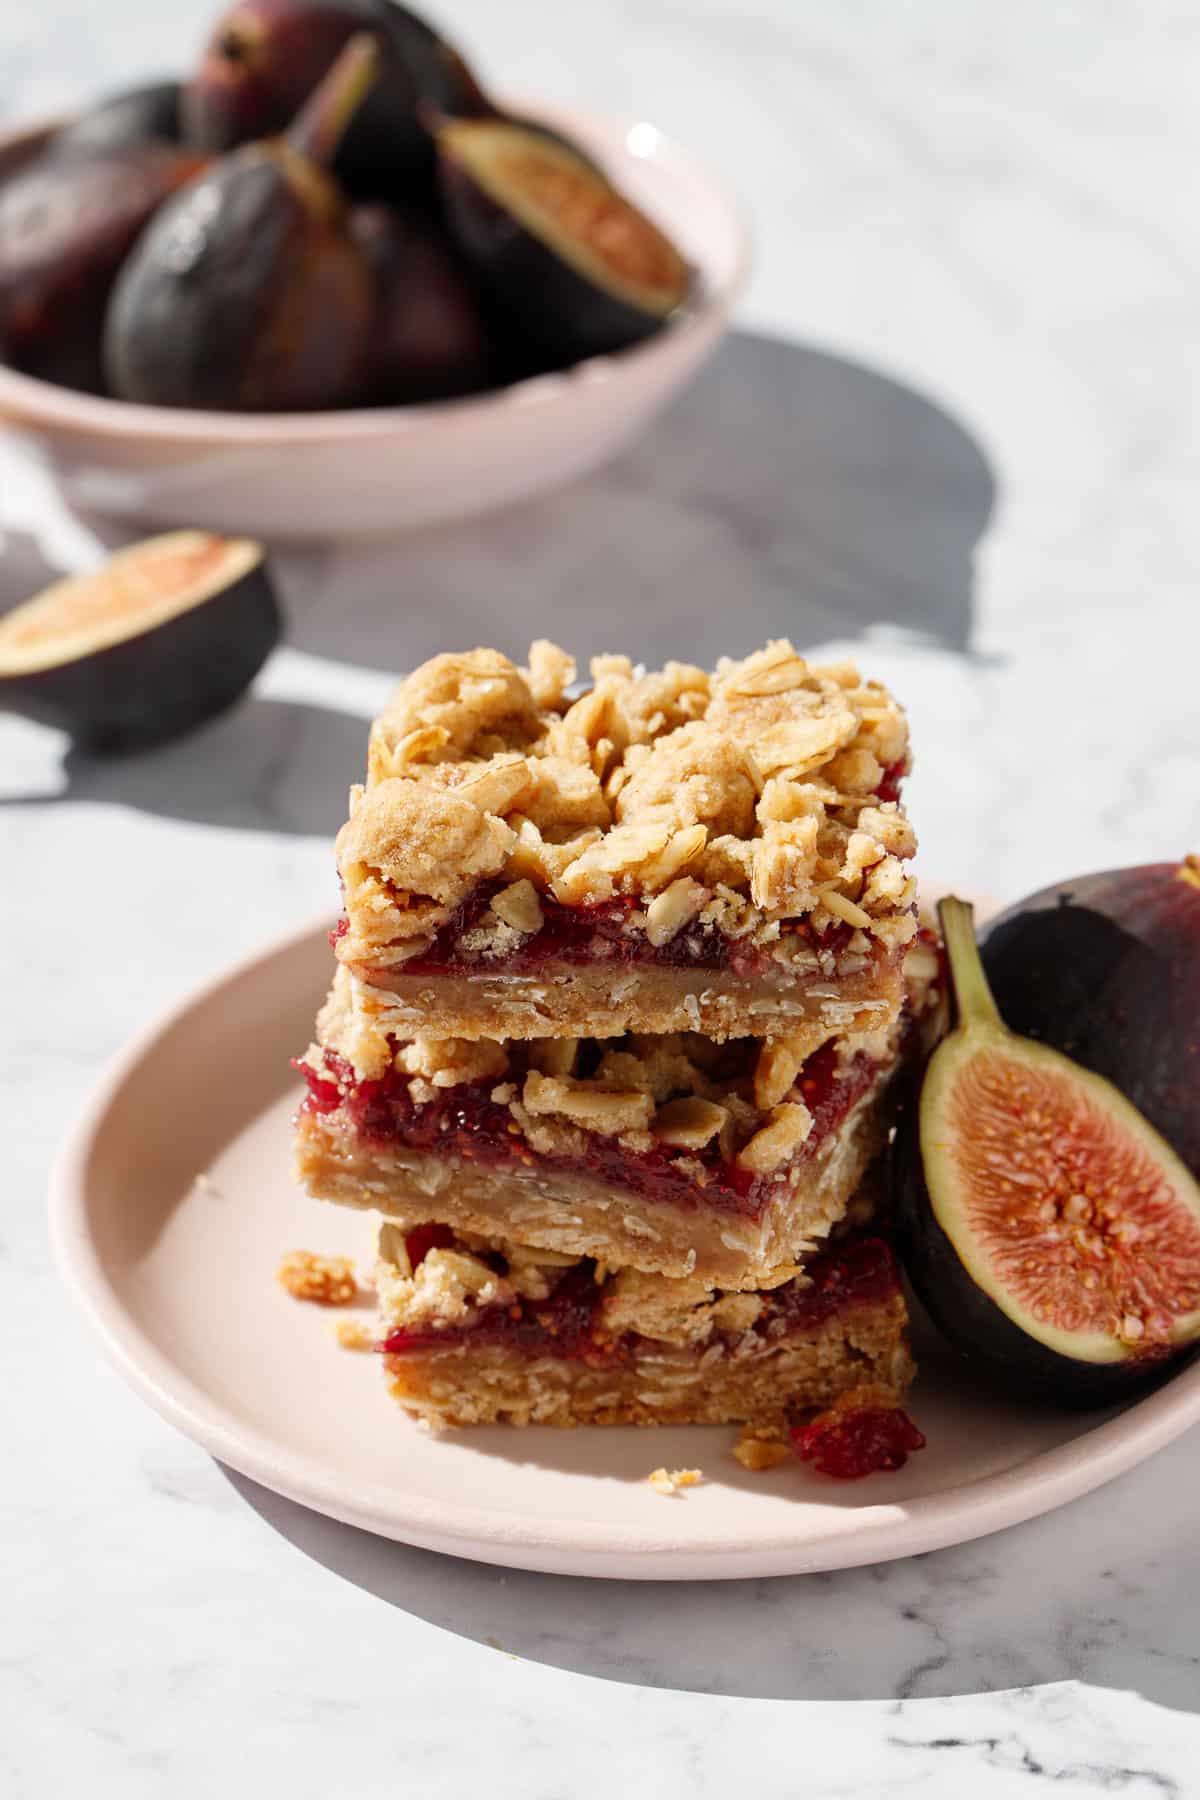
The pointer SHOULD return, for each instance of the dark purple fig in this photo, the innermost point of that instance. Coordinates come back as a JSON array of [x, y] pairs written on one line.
[[265, 57], [166, 634], [141, 115], [248, 291], [1107, 969], [66, 226], [1051, 1232], [429, 338], [575, 265]]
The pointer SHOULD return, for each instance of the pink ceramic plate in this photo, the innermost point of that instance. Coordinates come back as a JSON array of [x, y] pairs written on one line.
[[172, 1205]]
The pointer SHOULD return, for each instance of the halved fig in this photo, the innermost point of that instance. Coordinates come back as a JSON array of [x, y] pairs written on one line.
[[576, 266], [1107, 969], [167, 633], [1050, 1231]]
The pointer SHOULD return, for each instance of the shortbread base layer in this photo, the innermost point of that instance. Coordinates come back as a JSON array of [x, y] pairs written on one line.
[[600, 1000], [491, 1384], [578, 1215]]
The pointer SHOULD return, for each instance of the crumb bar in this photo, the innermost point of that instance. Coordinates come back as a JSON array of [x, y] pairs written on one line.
[[672, 1155], [673, 850], [476, 1332]]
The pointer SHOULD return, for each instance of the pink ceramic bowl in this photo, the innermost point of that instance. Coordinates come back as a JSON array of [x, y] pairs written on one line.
[[312, 475]]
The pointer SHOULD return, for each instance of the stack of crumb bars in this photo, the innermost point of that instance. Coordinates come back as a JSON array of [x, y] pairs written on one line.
[[624, 977]]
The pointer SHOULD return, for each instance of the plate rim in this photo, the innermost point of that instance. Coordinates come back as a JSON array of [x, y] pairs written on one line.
[[883, 1532]]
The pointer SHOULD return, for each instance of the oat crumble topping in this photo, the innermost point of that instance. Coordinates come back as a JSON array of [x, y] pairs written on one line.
[[739, 800]]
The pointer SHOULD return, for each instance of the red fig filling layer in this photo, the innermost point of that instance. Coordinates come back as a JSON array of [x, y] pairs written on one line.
[[569, 1324], [583, 935], [465, 1121]]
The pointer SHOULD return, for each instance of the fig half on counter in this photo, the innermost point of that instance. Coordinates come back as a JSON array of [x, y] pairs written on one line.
[[168, 633], [248, 291], [576, 266], [1051, 1232]]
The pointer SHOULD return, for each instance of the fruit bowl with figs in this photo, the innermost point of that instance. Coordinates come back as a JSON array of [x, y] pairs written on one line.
[[327, 285]]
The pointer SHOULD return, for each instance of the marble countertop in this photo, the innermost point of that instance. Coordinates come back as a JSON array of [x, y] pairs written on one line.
[[959, 429]]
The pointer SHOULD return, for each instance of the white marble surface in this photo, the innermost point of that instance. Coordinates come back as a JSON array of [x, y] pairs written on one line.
[[960, 428]]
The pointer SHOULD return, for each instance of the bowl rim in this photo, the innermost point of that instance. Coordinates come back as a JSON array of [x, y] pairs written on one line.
[[28, 402]]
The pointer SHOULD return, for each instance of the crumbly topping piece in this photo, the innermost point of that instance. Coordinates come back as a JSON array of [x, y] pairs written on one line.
[[786, 1129], [759, 1453], [551, 671], [433, 843], [353, 1334], [589, 1104], [689, 1122], [448, 1062], [758, 784], [675, 907], [683, 1310], [779, 1062], [518, 905], [475, 700], [325, 1280], [447, 1288], [673, 1481]]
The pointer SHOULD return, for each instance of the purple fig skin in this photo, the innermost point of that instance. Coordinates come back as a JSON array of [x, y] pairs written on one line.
[[142, 115], [430, 340], [248, 293], [1106, 968], [66, 227], [265, 57]]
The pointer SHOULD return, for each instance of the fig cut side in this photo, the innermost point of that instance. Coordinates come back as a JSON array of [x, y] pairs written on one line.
[[166, 634], [565, 253], [1050, 1230]]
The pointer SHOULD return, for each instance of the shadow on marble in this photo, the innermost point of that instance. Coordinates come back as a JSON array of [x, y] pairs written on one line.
[[789, 491], [1103, 1591], [267, 765]]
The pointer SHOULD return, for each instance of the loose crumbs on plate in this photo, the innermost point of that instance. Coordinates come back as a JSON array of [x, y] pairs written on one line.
[[325, 1280], [671, 1481], [353, 1334], [758, 1454]]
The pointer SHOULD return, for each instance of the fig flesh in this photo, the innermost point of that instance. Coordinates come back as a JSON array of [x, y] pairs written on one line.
[[1051, 1232], [142, 115], [265, 58], [1107, 969], [66, 227], [248, 292], [166, 634], [576, 266], [429, 340]]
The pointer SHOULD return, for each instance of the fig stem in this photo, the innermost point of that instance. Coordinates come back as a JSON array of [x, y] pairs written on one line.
[[322, 121], [972, 995]]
